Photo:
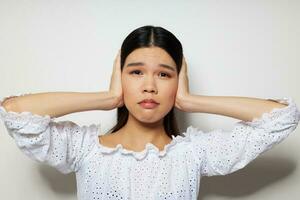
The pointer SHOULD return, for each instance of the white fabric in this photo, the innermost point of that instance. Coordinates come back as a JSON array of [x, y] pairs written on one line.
[[174, 173]]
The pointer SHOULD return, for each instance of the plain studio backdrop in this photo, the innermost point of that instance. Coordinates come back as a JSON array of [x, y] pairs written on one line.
[[232, 48]]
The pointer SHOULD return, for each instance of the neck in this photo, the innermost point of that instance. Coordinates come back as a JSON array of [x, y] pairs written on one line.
[[137, 133]]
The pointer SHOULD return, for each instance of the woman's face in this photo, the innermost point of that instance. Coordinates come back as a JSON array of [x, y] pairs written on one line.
[[144, 77]]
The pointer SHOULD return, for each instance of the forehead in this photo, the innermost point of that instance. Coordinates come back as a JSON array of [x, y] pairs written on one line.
[[150, 55]]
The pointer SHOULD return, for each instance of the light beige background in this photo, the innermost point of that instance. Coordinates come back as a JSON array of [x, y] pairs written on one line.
[[233, 48]]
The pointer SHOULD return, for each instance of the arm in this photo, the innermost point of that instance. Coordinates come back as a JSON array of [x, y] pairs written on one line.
[[263, 124], [29, 119], [64, 144], [56, 104], [243, 108], [221, 152]]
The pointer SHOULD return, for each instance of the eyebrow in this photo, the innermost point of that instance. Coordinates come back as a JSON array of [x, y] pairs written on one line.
[[142, 64]]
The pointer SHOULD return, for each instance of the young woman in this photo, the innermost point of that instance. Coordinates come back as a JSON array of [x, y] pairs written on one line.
[[144, 156]]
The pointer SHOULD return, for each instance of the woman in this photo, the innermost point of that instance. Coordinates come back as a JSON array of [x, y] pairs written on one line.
[[144, 156]]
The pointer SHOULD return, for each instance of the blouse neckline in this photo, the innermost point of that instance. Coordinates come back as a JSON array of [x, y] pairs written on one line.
[[149, 147]]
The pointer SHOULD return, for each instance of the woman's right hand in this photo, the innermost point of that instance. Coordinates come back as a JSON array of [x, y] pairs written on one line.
[[115, 87]]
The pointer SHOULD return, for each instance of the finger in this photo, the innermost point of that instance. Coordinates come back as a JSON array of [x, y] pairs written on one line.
[[183, 66], [118, 61], [117, 57], [119, 53]]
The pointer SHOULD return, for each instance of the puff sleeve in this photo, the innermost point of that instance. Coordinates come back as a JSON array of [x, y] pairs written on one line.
[[220, 152], [62, 145]]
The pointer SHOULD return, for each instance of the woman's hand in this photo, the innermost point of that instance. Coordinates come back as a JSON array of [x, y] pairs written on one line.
[[183, 86], [115, 87]]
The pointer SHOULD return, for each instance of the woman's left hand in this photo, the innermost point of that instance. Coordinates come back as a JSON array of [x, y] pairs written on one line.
[[183, 86]]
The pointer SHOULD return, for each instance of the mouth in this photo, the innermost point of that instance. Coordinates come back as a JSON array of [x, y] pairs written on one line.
[[148, 103]]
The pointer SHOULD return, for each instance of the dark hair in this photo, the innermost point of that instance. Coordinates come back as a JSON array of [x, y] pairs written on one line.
[[149, 36]]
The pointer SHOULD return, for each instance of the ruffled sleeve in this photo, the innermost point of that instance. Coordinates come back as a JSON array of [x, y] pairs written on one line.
[[220, 152], [62, 145]]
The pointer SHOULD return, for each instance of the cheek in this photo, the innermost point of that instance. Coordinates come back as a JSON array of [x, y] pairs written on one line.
[[170, 90], [130, 90]]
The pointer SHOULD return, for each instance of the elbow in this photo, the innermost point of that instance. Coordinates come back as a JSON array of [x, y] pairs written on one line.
[[9, 105]]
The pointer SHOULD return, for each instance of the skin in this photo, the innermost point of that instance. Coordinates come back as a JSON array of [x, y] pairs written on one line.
[[145, 126], [140, 82]]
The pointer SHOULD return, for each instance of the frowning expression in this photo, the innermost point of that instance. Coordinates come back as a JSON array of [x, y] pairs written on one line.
[[149, 73]]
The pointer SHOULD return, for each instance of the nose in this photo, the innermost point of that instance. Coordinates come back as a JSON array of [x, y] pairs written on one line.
[[150, 86]]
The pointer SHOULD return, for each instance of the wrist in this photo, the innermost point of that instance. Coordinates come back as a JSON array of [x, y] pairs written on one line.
[[192, 103], [116, 99], [183, 103]]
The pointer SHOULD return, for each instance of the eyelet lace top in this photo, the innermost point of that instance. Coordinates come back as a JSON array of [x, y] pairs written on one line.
[[149, 148], [174, 173]]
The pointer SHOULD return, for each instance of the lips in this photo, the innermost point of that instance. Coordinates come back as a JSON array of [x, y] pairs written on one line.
[[148, 105], [148, 101]]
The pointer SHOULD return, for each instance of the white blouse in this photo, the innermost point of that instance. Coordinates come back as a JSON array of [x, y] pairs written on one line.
[[174, 173]]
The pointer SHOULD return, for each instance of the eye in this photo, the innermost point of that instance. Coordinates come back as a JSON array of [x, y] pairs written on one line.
[[137, 71], [132, 72], [166, 74]]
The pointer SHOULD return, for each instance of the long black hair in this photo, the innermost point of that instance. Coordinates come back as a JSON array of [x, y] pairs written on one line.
[[150, 36]]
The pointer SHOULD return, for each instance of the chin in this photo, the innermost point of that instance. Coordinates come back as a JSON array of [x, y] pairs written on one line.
[[150, 121], [147, 118]]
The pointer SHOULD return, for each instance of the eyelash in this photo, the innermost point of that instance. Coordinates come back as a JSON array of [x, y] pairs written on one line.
[[167, 75]]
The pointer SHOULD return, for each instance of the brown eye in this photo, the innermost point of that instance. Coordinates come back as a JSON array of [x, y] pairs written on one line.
[[133, 72], [166, 74]]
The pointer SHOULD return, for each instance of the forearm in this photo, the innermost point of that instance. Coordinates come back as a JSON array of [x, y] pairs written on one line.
[[56, 104], [243, 108]]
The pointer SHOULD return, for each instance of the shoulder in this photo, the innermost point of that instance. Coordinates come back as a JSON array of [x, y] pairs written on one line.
[[109, 140]]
